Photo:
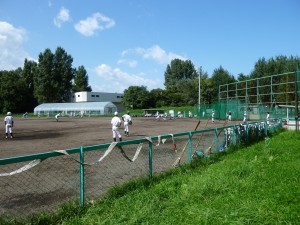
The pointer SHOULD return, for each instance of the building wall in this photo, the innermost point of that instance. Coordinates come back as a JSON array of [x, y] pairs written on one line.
[[85, 96], [97, 97]]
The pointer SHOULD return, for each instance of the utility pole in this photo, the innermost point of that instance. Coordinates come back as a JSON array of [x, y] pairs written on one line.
[[199, 92], [296, 99]]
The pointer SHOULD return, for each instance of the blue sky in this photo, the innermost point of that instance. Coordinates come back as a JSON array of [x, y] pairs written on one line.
[[122, 43]]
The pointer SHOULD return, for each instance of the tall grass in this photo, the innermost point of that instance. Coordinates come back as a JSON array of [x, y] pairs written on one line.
[[259, 184]]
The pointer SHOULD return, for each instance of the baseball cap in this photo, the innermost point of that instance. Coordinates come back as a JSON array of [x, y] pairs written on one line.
[[116, 113]]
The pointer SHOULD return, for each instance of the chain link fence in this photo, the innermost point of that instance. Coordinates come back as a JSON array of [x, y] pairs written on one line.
[[42, 182]]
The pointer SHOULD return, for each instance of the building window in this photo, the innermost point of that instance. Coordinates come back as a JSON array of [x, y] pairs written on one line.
[[78, 96], [93, 95], [97, 96]]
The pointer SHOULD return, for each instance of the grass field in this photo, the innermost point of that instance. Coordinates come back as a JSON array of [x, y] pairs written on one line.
[[259, 184]]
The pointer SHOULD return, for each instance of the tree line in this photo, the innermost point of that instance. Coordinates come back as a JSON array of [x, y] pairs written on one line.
[[53, 79], [50, 80], [182, 83]]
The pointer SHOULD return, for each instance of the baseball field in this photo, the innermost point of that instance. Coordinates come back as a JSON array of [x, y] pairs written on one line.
[[35, 135], [56, 180]]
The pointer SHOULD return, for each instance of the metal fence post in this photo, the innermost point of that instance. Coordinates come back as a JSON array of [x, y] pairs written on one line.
[[234, 134], [266, 128], [150, 158], [190, 147], [216, 141], [256, 131], [247, 132], [81, 176]]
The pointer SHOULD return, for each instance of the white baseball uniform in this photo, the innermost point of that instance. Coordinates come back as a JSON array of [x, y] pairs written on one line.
[[126, 119], [9, 123], [116, 123]]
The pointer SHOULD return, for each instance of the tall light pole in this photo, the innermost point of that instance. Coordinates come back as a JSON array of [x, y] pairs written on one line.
[[199, 92]]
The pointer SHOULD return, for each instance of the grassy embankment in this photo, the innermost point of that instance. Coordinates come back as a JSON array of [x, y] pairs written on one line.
[[259, 184]]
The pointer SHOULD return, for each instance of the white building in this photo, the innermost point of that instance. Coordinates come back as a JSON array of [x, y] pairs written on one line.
[[84, 96], [76, 109], [84, 103]]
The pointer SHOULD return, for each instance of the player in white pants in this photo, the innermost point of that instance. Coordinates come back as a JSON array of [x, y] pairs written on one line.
[[245, 117], [127, 119], [116, 124], [9, 123], [57, 116]]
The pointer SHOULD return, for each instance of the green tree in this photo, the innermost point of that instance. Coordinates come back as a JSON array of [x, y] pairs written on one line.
[[157, 98], [242, 77], [181, 83], [179, 70], [81, 80], [278, 65], [220, 77], [43, 86], [63, 74], [188, 92], [28, 73], [273, 66], [53, 80], [206, 93], [136, 97], [13, 91]]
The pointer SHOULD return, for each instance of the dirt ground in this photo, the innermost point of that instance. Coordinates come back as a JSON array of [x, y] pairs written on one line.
[[56, 180], [36, 135]]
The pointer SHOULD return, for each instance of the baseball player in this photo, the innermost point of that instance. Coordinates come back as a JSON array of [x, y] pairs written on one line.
[[116, 124], [127, 120], [213, 116], [268, 118], [9, 123], [245, 117], [57, 116], [229, 116]]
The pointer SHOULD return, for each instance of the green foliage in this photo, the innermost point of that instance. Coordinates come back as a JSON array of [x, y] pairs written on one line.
[[62, 75], [53, 79], [157, 98], [43, 87], [81, 80], [278, 65], [13, 91], [136, 97], [28, 73], [181, 83], [220, 76], [179, 70]]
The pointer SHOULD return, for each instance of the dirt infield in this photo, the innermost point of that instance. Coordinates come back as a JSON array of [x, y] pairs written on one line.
[[35, 135]]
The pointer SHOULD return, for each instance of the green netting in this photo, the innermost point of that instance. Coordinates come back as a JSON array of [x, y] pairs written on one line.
[[274, 94], [237, 109]]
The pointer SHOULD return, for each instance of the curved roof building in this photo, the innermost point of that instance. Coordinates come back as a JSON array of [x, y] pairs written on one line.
[[76, 108]]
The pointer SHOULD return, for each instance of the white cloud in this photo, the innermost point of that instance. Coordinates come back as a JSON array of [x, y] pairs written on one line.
[[155, 53], [158, 54], [115, 80], [90, 25], [62, 17], [12, 52], [128, 62]]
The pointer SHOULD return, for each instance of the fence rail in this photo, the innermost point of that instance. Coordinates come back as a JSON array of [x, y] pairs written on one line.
[[42, 182]]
